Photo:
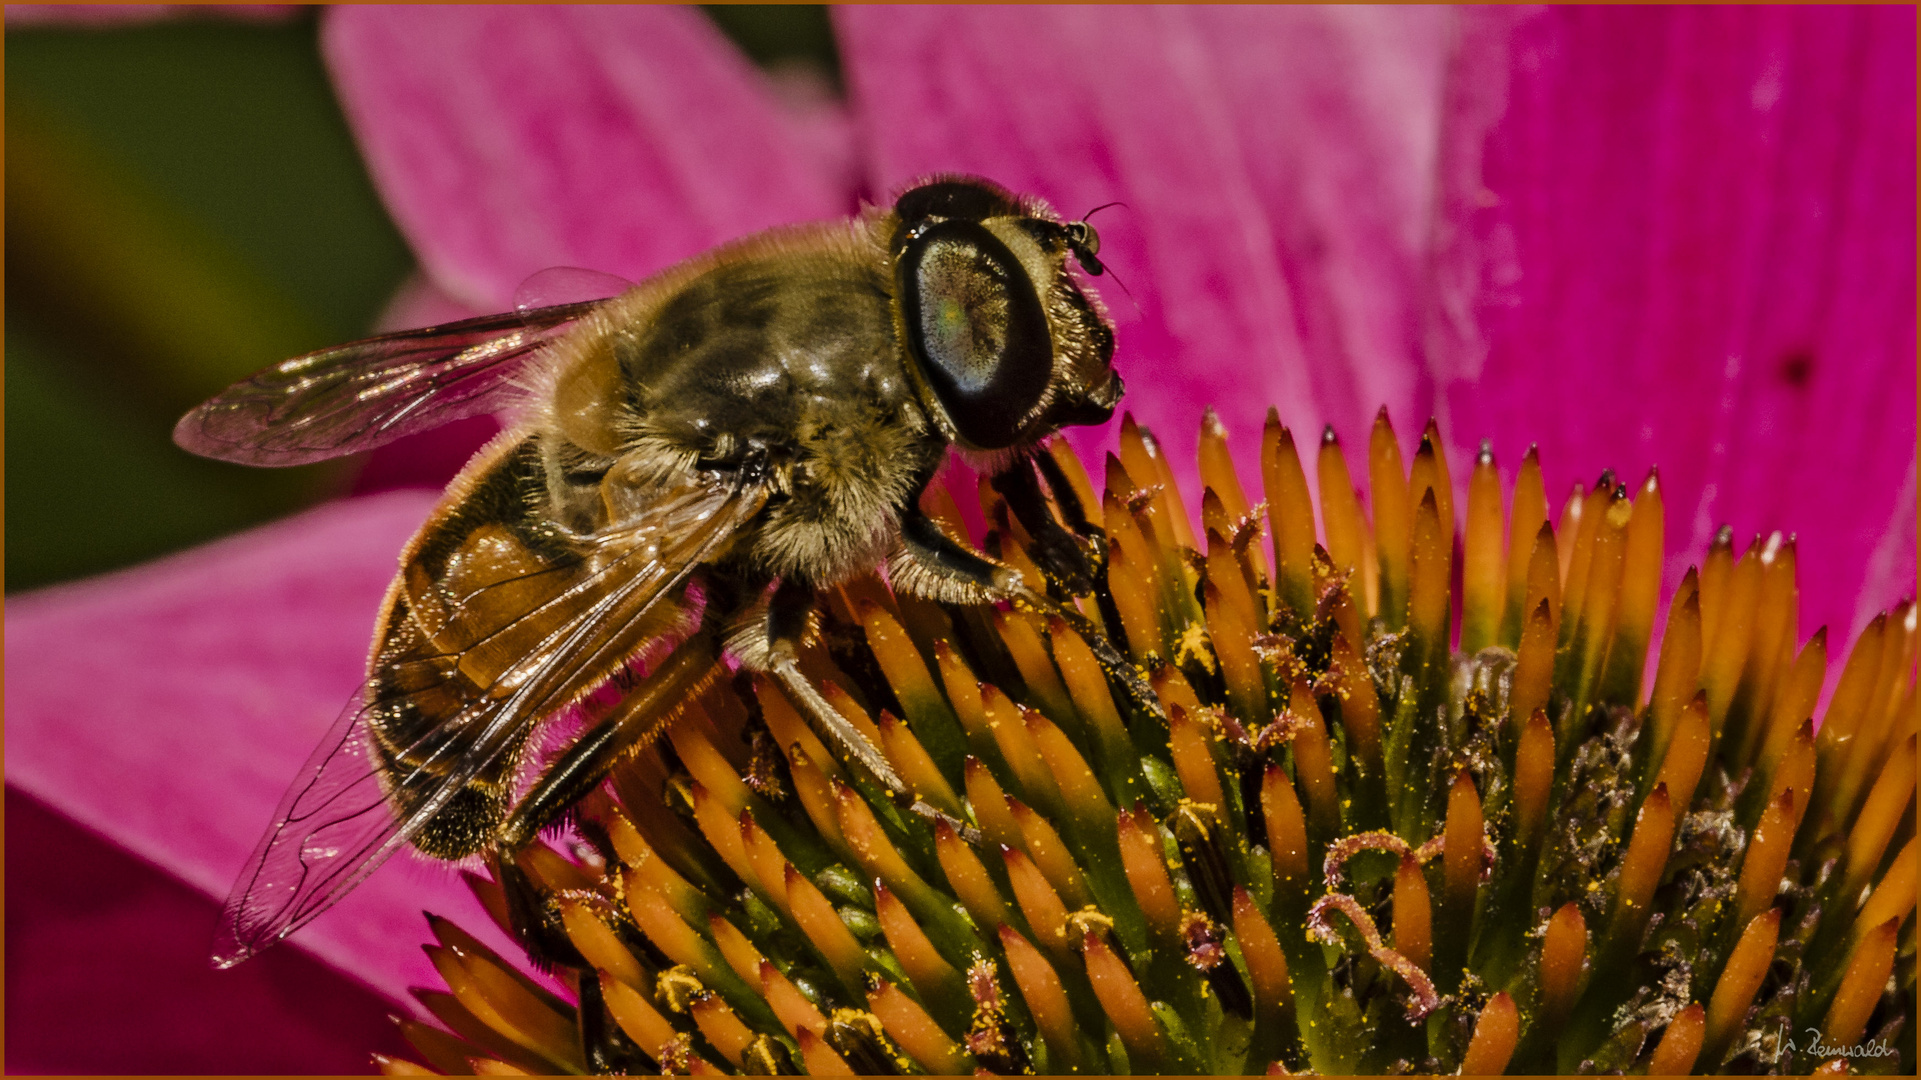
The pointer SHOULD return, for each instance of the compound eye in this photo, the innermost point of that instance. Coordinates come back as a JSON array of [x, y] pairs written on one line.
[[966, 199], [976, 327]]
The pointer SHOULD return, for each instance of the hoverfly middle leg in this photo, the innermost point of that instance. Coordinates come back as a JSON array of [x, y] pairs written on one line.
[[640, 717], [787, 620]]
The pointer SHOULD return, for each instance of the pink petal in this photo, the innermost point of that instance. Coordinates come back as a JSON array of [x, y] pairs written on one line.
[[1690, 242], [1656, 193], [169, 706], [510, 139], [107, 973], [1276, 164]]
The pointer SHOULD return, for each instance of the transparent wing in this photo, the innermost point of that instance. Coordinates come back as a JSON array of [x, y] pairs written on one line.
[[566, 285], [338, 821], [364, 394]]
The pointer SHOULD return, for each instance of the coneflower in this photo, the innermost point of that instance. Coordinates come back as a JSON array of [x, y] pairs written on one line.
[[1405, 806]]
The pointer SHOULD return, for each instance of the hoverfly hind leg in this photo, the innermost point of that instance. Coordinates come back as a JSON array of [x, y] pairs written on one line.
[[607, 1048], [639, 718], [532, 915]]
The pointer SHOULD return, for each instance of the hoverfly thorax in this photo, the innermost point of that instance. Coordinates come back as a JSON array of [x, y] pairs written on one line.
[[1005, 344]]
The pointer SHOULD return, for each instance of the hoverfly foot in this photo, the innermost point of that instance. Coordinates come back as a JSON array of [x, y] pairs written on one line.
[[973, 836], [1119, 670], [607, 1048], [533, 918]]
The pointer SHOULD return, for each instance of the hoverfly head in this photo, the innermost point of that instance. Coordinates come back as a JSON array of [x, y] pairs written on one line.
[[1005, 343]]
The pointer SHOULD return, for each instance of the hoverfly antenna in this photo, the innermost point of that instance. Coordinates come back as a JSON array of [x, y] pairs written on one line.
[[1086, 245], [1129, 293]]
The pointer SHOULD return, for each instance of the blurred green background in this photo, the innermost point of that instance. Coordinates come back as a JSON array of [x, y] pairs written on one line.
[[184, 205]]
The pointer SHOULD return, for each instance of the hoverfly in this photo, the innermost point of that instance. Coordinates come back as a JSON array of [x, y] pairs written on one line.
[[699, 454]]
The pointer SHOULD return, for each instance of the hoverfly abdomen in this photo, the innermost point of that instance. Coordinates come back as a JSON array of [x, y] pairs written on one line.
[[411, 696], [425, 671], [489, 588]]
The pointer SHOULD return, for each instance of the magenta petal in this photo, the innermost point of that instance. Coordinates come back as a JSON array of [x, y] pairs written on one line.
[[1691, 243], [1276, 164], [510, 139], [93, 932], [169, 706]]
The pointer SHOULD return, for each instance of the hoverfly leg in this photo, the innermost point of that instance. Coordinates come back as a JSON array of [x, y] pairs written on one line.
[[848, 737], [787, 620], [940, 556], [789, 615], [534, 919], [639, 718], [608, 1049], [1069, 561], [945, 560], [1067, 499], [1094, 538], [1120, 671]]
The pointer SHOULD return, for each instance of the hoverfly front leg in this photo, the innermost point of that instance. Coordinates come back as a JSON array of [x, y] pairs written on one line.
[[1067, 498], [939, 559], [641, 716], [1074, 562]]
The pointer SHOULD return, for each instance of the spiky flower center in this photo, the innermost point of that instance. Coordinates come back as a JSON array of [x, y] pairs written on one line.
[[1354, 837]]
